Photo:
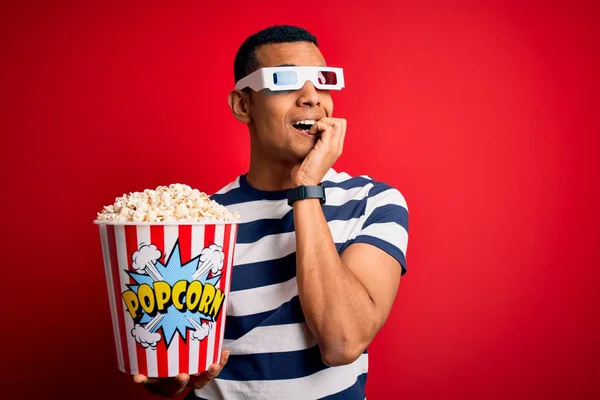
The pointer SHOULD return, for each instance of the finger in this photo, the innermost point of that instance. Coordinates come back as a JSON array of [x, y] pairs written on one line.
[[213, 371], [163, 386], [319, 127], [337, 132], [224, 357], [183, 379], [343, 128], [326, 131], [139, 378]]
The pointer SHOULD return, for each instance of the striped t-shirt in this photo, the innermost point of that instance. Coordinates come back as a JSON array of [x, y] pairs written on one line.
[[273, 353]]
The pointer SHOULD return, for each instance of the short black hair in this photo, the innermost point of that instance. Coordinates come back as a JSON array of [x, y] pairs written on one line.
[[246, 61]]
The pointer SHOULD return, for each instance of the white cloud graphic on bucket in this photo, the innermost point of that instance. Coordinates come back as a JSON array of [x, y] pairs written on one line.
[[144, 335], [201, 331], [144, 260], [211, 258]]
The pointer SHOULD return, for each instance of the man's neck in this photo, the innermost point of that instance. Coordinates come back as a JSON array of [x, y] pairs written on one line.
[[269, 175]]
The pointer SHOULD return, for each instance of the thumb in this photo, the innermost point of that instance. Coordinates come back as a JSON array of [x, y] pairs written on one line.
[[182, 379]]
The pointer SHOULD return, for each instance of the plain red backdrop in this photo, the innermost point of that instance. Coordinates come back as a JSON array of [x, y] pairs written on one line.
[[484, 115]]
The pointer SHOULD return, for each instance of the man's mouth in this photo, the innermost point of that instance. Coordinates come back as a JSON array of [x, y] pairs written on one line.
[[304, 125]]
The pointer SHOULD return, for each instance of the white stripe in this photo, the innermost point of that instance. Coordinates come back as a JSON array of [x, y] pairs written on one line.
[[219, 234], [390, 196], [320, 384], [152, 360], [260, 209], [261, 299], [233, 185], [283, 244], [227, 286], [343, 231], [276, 209], [280, 245], [111, 295], [210, 353], [333, 176], [124, 277], [273, 339], [171, 234], [197, 240], [197, 247], [220, 240], [391, 232], [276, 246], [339, 196], [173, 355], [194, 351], [143, 237]]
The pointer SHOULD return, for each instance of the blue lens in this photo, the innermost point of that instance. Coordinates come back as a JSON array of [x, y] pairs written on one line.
[[285, 78]]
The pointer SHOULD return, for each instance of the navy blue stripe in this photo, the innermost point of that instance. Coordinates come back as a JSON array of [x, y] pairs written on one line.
[[349, 183], [354, 392], [388, 213], [273, 366], [385, 246], [288, 313], [243, 194], [379, 187], [251, 232], [263, 273], [234, 196], [271, 272]]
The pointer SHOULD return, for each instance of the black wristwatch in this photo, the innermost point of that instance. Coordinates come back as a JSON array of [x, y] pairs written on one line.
[[306, 192]]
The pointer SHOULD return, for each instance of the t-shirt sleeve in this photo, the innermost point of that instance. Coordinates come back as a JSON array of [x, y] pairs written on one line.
[[386, 222]]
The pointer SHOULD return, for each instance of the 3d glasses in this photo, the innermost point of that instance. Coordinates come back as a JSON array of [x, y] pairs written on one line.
[[293, 78]]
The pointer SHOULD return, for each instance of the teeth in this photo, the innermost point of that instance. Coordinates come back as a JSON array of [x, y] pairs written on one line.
[[306, 122]]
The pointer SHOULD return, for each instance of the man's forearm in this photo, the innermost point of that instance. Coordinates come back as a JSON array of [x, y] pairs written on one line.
[[337, 307]]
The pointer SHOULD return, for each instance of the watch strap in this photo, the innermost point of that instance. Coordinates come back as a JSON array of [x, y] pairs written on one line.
[[306, 192]]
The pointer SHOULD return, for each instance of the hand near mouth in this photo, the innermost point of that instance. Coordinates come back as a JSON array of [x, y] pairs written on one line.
[[324, 154]]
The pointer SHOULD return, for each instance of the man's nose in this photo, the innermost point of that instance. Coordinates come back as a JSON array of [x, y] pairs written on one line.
[[308, 95]]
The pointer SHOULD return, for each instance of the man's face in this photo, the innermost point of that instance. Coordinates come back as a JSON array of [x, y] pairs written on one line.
[[272, 113]]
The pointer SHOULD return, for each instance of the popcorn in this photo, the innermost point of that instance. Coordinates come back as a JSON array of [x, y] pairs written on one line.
[[176, 202]]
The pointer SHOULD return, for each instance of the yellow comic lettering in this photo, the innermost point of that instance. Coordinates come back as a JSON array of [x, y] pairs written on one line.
[[215, 307], [131, 301], [146, 296], [207, 296], [163, 295], [194, 292], [177, 296]]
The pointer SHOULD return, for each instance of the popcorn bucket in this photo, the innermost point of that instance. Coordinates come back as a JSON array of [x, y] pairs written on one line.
[[168, 285]]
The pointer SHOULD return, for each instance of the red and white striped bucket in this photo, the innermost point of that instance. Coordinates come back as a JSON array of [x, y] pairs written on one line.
[[168, 285]]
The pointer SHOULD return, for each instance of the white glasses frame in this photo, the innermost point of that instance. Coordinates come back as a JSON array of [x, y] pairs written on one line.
[[263, 78]]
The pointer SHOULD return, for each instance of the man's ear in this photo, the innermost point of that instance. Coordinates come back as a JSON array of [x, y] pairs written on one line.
[[239, 102]]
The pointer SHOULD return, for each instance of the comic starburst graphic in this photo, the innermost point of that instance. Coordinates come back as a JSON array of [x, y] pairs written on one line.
[[173, 320]]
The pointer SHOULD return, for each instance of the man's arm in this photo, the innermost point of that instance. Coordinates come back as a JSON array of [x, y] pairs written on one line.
[[346, 299]]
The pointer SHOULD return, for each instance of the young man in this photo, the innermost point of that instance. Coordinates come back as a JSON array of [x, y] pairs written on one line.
[[317, 269]]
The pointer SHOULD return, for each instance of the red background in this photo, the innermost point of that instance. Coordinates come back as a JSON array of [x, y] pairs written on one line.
[[484, 115]]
